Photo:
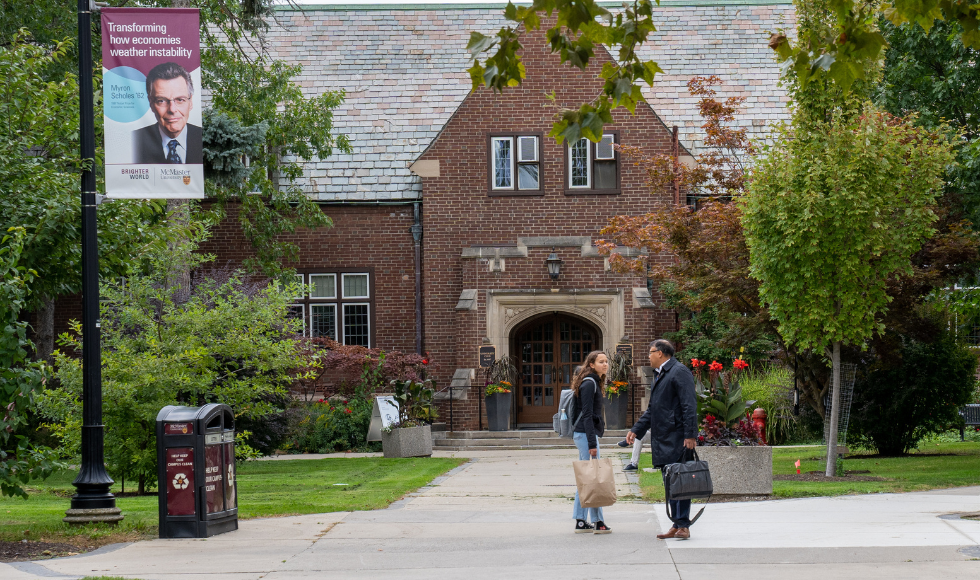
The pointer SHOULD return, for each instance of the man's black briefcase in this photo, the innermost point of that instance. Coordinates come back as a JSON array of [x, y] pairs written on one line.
[[687, 480]]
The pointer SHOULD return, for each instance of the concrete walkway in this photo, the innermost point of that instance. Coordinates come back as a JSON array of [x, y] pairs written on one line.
[[507, 514]]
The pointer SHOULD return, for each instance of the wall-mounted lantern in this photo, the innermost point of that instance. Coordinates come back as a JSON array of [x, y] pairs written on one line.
[[554, 265]]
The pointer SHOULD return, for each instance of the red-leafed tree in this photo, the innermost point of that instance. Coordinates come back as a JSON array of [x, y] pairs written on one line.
[[706, 275], [696, 253], [340, 368]]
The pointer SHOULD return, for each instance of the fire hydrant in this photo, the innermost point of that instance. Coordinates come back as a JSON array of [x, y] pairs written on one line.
[[759, 420]]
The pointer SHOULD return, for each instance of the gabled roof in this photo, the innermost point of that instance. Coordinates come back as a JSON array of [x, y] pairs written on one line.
[[404, 71]]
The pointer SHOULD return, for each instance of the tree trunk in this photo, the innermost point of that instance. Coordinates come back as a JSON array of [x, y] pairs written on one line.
[[834, 414], [179, 278], [141, 489], [45, 330]]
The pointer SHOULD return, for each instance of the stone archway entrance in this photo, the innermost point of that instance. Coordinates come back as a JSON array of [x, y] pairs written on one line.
[[547, 350]]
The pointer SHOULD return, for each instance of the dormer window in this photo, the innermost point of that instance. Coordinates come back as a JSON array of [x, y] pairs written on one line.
[[515, 164]]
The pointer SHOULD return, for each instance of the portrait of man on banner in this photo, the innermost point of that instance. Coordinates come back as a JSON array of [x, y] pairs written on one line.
[[151, 79], [172, 139]]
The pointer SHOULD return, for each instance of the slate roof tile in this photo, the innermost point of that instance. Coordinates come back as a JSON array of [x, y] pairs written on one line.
[[404, 73]]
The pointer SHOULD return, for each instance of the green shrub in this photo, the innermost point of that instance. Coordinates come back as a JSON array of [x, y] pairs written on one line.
[[971, 434], [899, 401], [226, 341], [772, 388], [21, 380], [333, 425]]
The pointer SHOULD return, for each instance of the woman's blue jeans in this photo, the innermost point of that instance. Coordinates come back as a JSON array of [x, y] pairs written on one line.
[[578, 512]]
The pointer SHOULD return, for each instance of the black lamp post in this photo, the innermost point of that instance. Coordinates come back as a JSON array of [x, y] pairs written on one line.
[[93, 502], [554, 265]]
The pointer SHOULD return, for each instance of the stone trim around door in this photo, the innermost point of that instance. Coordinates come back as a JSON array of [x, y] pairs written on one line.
[[520, 249], [507, 309]]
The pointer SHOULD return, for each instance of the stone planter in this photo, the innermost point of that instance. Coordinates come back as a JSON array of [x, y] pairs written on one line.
[[498, 411], [742, 470], [407, 442], [615, 408]]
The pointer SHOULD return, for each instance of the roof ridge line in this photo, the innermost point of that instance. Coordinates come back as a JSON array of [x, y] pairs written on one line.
[[423, 6]]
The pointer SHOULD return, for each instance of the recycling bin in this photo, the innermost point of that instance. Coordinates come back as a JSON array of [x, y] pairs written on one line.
[[196, 469]]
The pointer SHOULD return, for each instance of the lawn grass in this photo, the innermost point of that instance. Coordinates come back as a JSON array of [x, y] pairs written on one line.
[[265, 489], [933, 466]]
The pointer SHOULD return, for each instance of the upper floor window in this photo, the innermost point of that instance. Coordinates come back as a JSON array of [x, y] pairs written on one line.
[[338, 306], [593, 167], [515, 163]]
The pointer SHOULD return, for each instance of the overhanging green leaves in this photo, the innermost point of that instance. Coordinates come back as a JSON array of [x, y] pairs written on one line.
[[580, 26]]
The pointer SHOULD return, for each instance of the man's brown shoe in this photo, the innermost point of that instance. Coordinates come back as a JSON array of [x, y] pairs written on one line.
[[670, 534], [683, 534]]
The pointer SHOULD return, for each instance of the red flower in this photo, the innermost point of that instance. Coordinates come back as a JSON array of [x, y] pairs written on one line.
[[347, 411], [425, 361], [740, 364], [715, 366]]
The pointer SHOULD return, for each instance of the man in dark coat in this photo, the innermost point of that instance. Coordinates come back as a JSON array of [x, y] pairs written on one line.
[[150, 147], [672, 418], [171, 139]]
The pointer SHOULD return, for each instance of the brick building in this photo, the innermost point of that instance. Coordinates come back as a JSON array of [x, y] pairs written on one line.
[[451, 202]]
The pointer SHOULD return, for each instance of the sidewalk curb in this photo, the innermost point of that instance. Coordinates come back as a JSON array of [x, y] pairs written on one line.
[[397, 505]]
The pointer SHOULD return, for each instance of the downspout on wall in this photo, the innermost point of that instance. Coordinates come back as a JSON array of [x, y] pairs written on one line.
[[417, 237]]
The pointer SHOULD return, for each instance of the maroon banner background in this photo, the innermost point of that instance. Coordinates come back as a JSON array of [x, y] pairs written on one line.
[[178, 27]]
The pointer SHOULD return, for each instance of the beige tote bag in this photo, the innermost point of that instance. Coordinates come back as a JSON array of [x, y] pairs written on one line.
[[595, 482]]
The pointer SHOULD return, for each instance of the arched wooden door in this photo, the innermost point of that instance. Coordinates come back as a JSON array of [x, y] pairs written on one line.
[[549, 348]]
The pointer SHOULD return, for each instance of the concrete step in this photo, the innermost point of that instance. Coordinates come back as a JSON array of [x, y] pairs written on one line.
[[618, 434], [450, 447], [516, 443], [518, 439]]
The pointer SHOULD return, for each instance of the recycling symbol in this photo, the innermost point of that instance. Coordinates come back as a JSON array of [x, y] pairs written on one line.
[[180, 481]]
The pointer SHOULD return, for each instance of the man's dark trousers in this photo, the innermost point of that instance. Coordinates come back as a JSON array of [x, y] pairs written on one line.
[[681, 510]]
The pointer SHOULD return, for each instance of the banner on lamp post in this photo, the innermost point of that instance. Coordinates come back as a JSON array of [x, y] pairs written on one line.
[[151, 92]]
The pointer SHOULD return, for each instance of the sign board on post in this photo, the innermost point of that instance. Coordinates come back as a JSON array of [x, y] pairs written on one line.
[[625, 350], [488, 355], [384, 414], [151, 87]]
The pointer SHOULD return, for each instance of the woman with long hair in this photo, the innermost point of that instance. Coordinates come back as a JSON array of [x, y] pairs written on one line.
[[587, 385]]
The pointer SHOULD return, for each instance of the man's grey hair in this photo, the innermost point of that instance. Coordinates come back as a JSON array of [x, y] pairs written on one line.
[[664, 346], [165, 72]]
